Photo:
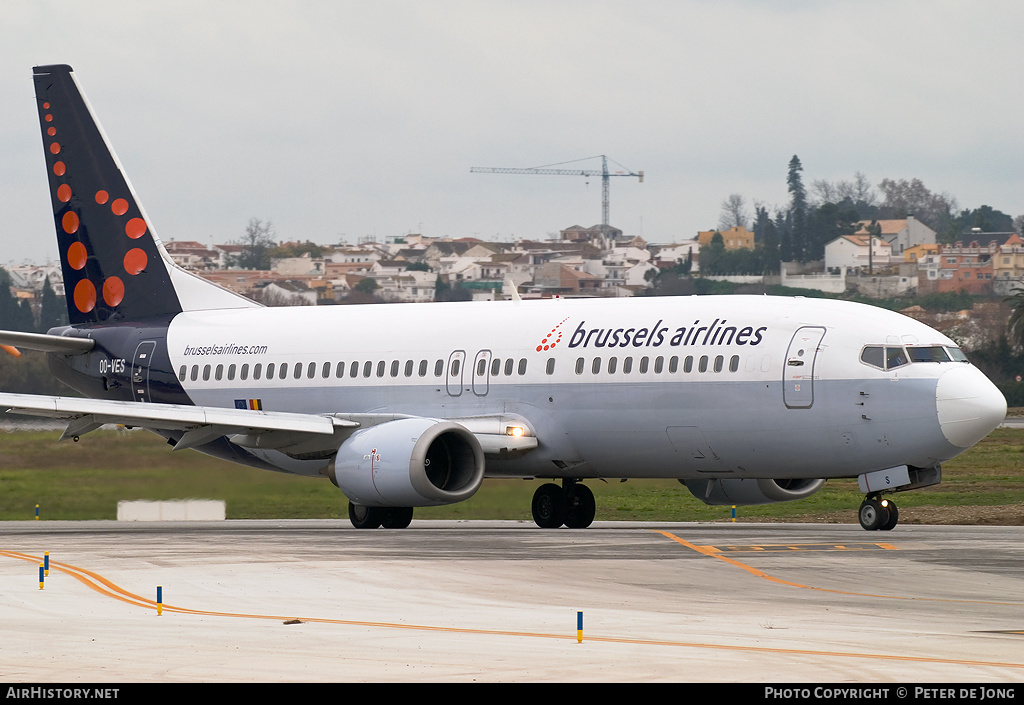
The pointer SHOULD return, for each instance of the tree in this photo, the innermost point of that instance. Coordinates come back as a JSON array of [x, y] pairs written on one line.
[[256, 245], [366, 285], [903, 198], [798, 210], [1015, 326], [986, 218], [767, 235], [14, 315], [52, 310], [734, 213]]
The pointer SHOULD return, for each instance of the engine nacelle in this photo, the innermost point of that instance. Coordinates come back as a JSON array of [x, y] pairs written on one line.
[[745, 492], [416, 462]]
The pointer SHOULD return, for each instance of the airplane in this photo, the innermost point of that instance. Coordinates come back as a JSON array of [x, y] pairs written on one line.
[[742, 399]]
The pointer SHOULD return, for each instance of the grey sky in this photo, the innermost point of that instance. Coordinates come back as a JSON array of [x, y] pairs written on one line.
[[345, 119]]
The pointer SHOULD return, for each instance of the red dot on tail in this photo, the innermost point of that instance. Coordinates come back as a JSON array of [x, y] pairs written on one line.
[[77, 255], [135, 261], [135, 228], [113, 291], [85, 296]]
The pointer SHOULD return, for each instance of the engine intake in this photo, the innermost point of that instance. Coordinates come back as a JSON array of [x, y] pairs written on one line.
[[746, 492], [416, 462]]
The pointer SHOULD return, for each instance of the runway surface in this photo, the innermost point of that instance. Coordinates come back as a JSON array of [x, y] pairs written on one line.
[[498, 601]]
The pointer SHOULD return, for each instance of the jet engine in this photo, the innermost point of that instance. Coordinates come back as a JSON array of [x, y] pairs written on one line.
[[415, 462], [743, 492]]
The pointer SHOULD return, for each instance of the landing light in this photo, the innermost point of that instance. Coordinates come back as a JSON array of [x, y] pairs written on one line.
[[514, 431]]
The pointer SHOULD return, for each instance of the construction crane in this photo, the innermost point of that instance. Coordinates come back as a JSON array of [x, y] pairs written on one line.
[[547, 171]]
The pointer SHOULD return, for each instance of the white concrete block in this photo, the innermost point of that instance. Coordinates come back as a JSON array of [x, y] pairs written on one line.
[[172, 510]]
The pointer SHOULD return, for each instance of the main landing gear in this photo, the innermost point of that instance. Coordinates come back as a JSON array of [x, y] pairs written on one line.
[[572, 504], [877, 514], [375, 517]]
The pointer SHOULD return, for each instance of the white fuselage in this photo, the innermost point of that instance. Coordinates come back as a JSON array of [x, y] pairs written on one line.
[[681, 387]]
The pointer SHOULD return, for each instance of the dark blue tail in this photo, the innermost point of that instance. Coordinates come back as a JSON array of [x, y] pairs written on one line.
[[113, 268]]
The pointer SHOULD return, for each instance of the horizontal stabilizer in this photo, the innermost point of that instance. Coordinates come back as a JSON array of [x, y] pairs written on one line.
[[47, 343]]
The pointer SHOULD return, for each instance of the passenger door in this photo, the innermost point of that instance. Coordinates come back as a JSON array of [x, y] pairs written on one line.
[[798, 374]]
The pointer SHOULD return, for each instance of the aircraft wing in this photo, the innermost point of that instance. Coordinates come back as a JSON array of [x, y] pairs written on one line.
[[291, 433]]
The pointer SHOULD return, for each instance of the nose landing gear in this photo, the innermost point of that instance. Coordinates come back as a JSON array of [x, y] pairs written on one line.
[[877, 514]]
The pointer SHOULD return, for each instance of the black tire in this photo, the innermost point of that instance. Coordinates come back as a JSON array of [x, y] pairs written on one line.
[[580, 507], [894, 516], [872, 515], [363, 517], [549, 506], [395, 517]]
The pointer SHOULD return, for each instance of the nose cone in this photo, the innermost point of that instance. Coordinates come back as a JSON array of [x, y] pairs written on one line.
[[969, 406]]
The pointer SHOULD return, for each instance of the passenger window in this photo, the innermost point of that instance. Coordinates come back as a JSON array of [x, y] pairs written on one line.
[[495, 367], [380, 368], [627, 365], [395, 364], [284, 370], [439, 368], [423, 368], [181, 373], [595, 366], [311, 370], [195, 372], [673, 364], [339, 371], [688, 364], [244, 372], [219, 373], [408, 368], [719, 363], [353, 369], [270, 370], [326, 371], [734, 363], [481, 367], [550, 369], [613, 363], [579, 365], [702, 366], [206, 373], [509, 367], [522, 366], [257, 370], [644, 364], [231, 372], [298, 370], [659, 364], [367, 368]]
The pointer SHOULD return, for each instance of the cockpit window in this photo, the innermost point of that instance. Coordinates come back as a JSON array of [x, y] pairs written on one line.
[[929, 353], [895, 357], [873, 355], [888, 357]]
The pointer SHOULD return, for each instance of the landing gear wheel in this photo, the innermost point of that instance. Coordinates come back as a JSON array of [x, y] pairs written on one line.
[[395, 517], [549, 506], [363, 517], [873, 515], [894, 516], [580, 507]]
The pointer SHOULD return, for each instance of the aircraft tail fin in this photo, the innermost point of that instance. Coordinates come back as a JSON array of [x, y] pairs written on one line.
[[114, 266]]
